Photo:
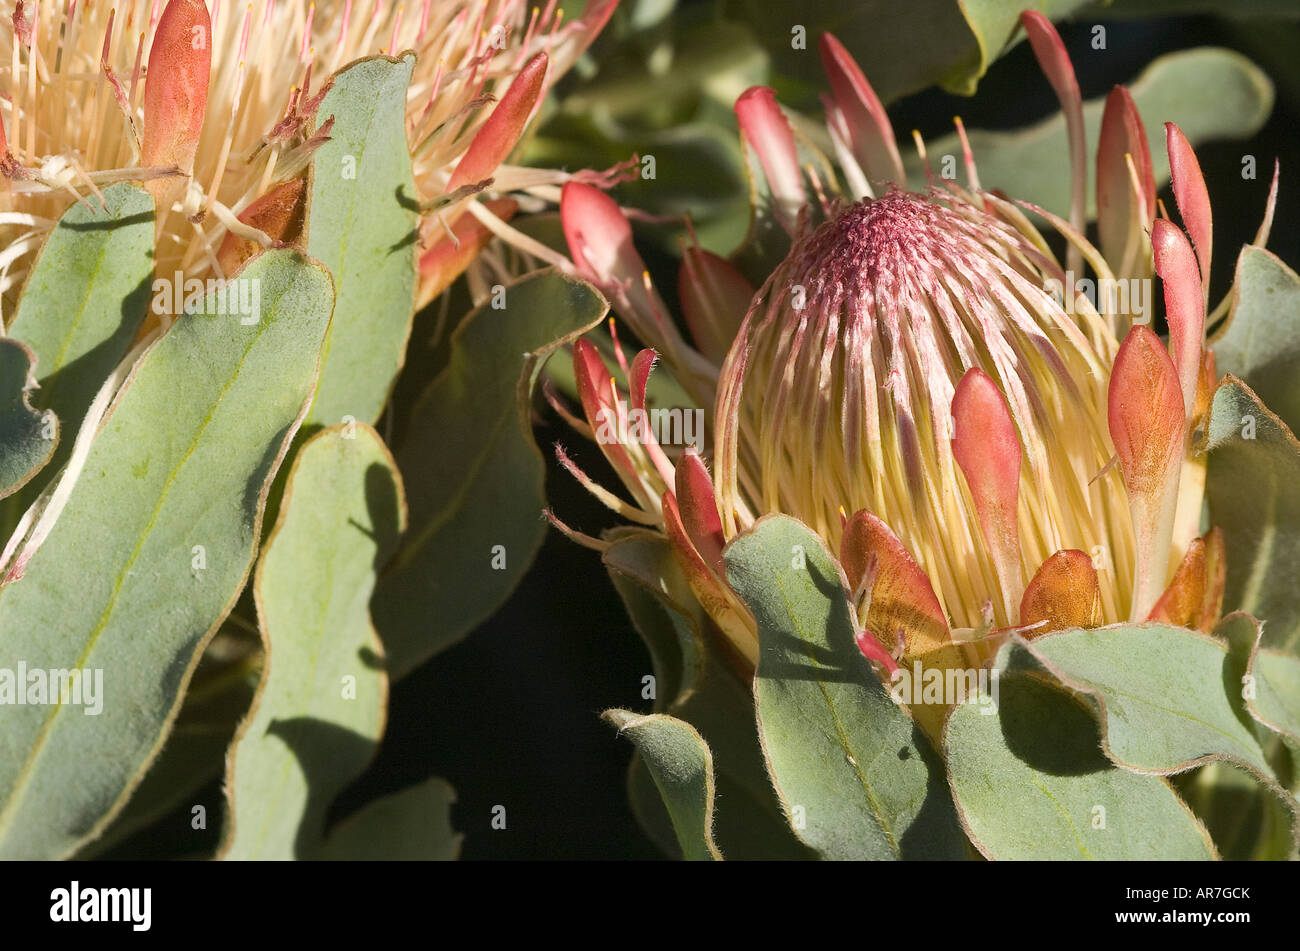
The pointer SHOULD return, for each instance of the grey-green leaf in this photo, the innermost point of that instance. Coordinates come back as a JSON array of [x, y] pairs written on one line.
[[81, 308], [474, 476], [215, 704], [682, 767], [696, 684], [26, 442], [1277, 699], [1260, 343], [856, 777], [363, 226], [151, 551], [646, 577], [1031, 783], [1271, 676], [320, 708], [1161, 693], [411, 825], [88, 293], [1253, 489], [1246, 821], [902, 47]]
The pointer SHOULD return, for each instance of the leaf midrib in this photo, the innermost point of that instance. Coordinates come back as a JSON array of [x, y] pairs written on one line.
[[23, 778]]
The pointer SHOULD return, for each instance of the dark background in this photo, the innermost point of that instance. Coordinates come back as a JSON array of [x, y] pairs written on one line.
[[511, 716]]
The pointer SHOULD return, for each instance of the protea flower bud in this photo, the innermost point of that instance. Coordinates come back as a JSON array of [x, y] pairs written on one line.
[[213, 107], [922, 383], [909, 359], [904, 360], [993, 443]]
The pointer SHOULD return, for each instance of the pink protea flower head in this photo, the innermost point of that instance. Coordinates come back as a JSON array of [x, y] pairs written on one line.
[[906, 359], [918, 381], [212, 105]]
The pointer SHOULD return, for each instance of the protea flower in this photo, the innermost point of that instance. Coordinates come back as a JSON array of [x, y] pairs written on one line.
[[919, 381], [214, 107]]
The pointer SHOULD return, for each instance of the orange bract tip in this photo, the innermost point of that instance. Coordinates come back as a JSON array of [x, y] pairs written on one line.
[[176, 89], [448, 258], [897, 592], [1147, 424], [278, 213], [1194, 597], [1063, 593], [1145, 412], [987, 449]]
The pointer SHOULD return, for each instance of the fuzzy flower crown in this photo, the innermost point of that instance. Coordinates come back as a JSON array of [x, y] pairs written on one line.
[[988, 449], [214, 107]]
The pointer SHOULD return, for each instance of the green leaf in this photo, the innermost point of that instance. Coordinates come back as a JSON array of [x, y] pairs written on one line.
[[1260, 344], [412, 825], [682, 767], [647, 804], [362, 225], [215, 704], [1246, 819], [472, 471], [1169, 699], [1246, 822], [320, 708], [121, 584], [1167, 696], [81, 308], [1211, 93], [1276, 703], [1253, 489], [902, 47], [24, 448], [856, 777], [1031, 782], [696, 684], [1270, 677], [88, 293], [647, 579]]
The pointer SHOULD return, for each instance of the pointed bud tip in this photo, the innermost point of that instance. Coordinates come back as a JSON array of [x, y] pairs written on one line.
[[1191, 195], [598, 234], [497, 137], [1177, 267], [176, 88], [1145, 411], [870, 130], [768, 133], [699, 510]]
